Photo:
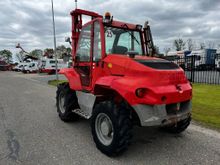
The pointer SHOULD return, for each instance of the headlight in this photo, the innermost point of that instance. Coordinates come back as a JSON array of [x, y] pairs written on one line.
[[141, 92]]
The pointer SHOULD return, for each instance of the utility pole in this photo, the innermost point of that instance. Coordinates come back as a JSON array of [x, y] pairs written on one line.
[[76, 4], [54, 40]]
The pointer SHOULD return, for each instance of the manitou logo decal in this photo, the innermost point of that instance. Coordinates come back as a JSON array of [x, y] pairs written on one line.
[[179, 88]]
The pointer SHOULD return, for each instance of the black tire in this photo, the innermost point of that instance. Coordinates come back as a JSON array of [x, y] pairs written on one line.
[[70, 103], [179, 127], [121, 123]]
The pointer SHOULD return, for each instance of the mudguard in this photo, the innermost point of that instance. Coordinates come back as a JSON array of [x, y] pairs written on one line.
[[119, 84], [73, 78]]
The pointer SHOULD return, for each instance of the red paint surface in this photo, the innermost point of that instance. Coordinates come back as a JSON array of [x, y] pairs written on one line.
[[126, 75]]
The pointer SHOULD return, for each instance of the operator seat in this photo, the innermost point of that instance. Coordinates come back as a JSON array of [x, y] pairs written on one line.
[[119, 50]]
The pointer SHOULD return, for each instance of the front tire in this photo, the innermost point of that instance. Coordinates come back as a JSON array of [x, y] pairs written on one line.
[[111, 127], [66, 101]]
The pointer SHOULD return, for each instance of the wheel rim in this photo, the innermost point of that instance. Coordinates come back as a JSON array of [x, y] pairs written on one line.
[[61, 102], [104, 129]]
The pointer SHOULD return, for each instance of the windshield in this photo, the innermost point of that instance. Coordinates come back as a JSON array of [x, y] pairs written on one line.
[[122, 41]]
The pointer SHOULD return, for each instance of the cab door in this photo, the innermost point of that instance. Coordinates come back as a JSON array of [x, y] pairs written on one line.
[[83, 60], [98, 52]]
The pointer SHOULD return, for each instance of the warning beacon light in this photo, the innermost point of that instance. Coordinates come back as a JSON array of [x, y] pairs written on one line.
[[108, 18]]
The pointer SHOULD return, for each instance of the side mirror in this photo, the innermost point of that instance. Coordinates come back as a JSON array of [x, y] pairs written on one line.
[[67, 39]]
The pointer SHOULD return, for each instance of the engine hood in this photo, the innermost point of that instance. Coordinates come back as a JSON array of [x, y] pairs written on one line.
[[147, 69]]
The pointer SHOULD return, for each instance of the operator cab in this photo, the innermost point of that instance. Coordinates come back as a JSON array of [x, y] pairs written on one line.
[[122, 38], [102, 37]]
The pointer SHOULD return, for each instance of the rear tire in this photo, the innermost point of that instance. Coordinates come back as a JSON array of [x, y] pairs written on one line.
[[179, 127], [111, 127], [66, 101]]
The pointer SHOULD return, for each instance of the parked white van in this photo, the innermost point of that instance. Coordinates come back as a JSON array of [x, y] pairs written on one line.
[[49, 65], [31, 67], [20, 66]]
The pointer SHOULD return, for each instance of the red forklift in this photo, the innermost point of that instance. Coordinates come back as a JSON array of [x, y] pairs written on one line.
[[117, 82]]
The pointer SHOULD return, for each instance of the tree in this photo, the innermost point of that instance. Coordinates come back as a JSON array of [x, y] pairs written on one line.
[[190, 44], [36, 53], [6, 55], [179, 44], [68, 50], [48, 52], [61, 47], [61, 51]]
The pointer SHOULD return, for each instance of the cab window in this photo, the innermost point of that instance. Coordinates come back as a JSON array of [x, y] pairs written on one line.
[[131, 41], [97, 42], [122, 40], [109, 40], [84, 45]]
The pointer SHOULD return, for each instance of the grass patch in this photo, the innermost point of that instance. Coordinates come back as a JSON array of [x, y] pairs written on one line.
[[56, 82], [206, 104]]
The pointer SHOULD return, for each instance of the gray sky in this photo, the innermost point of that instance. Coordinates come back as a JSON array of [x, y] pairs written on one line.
[[29, 21]]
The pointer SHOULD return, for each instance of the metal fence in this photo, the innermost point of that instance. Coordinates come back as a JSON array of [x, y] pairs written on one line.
[[200, 69]]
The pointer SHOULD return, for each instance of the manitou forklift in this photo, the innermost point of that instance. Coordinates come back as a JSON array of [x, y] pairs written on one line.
[[116, 82]]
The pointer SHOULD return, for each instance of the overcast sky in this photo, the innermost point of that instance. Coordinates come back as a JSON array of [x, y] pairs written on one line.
[[29, 22]]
